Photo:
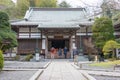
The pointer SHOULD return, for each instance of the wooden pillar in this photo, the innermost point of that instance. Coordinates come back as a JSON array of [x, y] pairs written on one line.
[[29, 32], [18, 31], [86, 32], [41, 39], [75, 39], [71, 45], [46, 46]]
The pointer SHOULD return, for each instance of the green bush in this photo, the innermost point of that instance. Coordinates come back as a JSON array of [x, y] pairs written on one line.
[[28, 57], [17, 57], [1, 60]]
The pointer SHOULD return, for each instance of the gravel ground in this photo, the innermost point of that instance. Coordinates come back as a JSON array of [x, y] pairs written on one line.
[[28, 65], [16, 75], [20, 75], [105, 77]]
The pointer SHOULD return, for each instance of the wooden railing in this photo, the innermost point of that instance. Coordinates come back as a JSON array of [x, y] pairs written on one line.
[[26, 51]]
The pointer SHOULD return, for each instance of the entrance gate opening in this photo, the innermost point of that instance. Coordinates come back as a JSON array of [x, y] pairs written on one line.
[[56, 43]]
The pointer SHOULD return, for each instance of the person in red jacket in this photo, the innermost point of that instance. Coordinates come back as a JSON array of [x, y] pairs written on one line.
[[52, 51]]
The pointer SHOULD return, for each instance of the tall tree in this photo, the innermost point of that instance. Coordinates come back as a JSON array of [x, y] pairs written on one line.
[[6, 2], [102, 31], [116, 18], [7, 36], [109, 7], [64, 4], [37, 3], [48, 3], [10, 8], [22, 6]]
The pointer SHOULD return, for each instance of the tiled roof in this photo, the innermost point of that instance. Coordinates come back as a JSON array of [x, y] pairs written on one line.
[[54, 17]]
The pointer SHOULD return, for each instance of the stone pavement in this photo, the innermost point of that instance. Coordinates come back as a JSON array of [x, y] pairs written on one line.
[[115, 74], [61, 70], [94, 70], [97, 72]]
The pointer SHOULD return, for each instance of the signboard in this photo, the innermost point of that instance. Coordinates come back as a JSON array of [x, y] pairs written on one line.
[[58, 37], [37, 56], [118, 53]]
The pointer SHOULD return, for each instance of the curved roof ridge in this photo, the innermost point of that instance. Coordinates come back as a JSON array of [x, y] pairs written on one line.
[[55, 9]]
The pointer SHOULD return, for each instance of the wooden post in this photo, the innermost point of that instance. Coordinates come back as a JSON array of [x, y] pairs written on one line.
[[75, 39], [46, 48], [41, 38]]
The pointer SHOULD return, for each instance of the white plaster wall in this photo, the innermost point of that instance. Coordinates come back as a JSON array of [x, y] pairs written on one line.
[[24, 30], [43, 44]]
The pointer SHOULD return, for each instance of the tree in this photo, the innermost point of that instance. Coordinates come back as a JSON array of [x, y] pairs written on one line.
[[102, 30], [116, 18], [9, 7], [6, 3], [64, 4], [22, 6], [110, 45], [48, 3], [37, 3], [32, 3], [7, 36], [109, 7]]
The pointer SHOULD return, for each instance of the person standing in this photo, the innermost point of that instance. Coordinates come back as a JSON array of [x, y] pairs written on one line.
[[52, 51], [60, 52], [65, 52], [75, 54]]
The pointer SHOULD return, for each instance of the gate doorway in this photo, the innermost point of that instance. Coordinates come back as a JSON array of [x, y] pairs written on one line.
[[58, 43]]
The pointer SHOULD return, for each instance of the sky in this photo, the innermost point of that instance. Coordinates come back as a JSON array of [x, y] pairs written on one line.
[[90, 5], [82, 3]]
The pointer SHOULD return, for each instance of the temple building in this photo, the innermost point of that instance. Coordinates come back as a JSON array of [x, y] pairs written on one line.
[[43, 28]]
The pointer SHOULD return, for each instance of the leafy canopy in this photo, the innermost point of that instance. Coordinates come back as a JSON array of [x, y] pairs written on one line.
[[64, 4], [102, 31], [43, 3], [6, 2], [6, 34], [116, 18], [18, 10], [110, 45]]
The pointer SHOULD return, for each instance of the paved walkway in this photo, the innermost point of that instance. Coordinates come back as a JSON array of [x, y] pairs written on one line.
[[61, 70]]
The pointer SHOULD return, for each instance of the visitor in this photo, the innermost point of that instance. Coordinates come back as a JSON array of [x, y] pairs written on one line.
[[75, 54], [101, 56], [65, 52], [60, 52], [52, 51]]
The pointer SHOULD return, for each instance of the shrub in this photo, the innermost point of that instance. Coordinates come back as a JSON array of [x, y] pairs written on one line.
[[17, 57], [28, 57], [1, 60]]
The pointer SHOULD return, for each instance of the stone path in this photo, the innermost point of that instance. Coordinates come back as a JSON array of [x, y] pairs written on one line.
[[61, 70]]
